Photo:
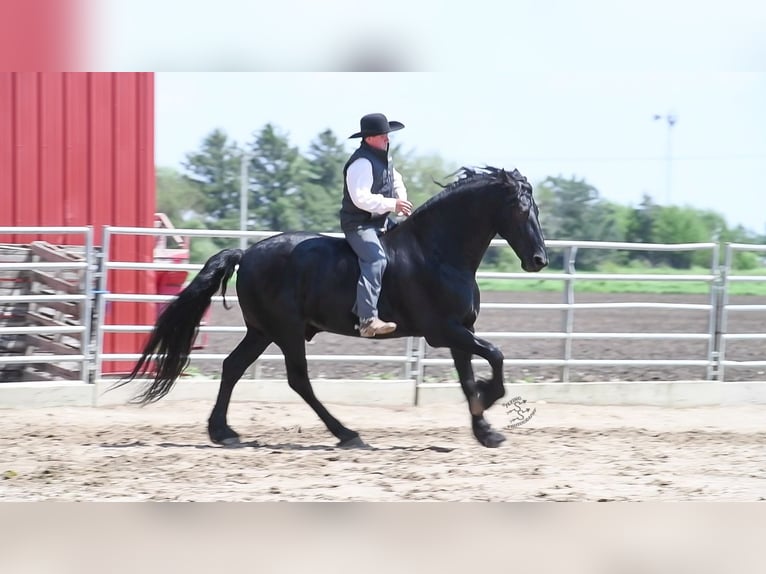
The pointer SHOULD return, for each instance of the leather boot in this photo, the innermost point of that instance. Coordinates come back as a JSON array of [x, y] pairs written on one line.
[[374, 326]]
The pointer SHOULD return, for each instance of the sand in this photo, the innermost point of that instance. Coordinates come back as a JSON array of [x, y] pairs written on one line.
[[565, 452]]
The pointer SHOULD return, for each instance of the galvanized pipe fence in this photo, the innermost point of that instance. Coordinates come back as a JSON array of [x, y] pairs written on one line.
[[726, 307], [413, 358]]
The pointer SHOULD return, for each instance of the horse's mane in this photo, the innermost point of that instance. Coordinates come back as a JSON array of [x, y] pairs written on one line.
[[469, 179]]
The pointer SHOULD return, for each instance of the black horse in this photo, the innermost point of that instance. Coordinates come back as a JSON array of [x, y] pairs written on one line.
[[294, 285]]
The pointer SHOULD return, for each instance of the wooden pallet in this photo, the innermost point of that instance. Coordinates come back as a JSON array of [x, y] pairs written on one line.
[[55, 313]]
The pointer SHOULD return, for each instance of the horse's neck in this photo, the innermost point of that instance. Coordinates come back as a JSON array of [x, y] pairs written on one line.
[[460, 233]]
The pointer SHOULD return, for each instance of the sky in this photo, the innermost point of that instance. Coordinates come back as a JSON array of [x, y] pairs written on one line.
[[598, 127], [550, 87]]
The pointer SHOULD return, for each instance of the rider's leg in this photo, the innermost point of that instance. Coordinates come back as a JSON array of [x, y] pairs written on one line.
[[372, 263]]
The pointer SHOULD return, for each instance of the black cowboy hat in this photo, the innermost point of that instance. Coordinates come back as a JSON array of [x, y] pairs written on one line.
[[375, 125]]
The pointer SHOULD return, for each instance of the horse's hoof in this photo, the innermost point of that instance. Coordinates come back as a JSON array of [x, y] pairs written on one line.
[[230, 441], [226, 438], [355, 442], [492, 439]]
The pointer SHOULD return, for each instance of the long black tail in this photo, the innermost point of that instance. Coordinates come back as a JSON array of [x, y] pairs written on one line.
[[173, 335]]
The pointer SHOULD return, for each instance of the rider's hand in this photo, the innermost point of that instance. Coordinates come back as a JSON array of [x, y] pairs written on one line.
[[403, 207]]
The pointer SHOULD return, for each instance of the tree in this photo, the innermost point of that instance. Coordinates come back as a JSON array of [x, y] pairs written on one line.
[[743, 260], [571, 209], [178, 197], [323, 188], [291, 191], [215, 169], [673, 224], [277, 174], [420, 174], [639, 228], [715, 223], [615, 220]]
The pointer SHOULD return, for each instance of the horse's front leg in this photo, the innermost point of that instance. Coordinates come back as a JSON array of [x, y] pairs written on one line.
[[463, 339], [481, 428], [480, 394]]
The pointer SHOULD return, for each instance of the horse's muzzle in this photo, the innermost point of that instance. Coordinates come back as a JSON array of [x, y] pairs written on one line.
[[538, 263]]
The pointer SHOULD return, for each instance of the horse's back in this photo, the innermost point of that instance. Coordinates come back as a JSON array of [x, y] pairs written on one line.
[[302, 276], [298, 256]]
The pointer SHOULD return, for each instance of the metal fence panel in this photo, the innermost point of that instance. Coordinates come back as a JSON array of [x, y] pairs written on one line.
[[413, 359]]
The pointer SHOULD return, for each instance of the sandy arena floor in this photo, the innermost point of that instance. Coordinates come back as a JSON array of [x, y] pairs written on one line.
[[564, 452]]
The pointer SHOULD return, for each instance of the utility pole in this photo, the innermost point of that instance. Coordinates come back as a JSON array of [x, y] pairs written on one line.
[[671, 120]]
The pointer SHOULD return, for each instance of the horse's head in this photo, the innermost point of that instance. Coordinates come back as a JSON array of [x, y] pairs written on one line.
[[517, 221]]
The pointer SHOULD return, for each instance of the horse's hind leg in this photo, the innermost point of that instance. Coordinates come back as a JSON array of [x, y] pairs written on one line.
[[234, 366], [298, 379], [481, 428]]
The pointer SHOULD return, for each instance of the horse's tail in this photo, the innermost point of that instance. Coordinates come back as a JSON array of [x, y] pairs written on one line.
[[173, 335]]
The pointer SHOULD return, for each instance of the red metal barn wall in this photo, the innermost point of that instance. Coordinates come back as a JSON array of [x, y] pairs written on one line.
[[78, 149]]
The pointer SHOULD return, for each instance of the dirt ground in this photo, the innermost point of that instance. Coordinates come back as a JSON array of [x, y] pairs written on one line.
[[498, 320], [564, 452]]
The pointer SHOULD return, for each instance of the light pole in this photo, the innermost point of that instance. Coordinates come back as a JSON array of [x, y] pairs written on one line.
[[244, 186], [671, 120]]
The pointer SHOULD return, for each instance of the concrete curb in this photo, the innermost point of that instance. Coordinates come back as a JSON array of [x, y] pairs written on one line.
[[396, 393]]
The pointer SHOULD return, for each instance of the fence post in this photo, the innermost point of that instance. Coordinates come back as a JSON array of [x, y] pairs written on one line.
[[419, 367], [717, 289], [88, 319], [101, 303], [723, 301], [570, 254], [408, 350]]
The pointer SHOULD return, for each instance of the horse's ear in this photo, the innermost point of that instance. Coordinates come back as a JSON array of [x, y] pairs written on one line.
[[506, 176]]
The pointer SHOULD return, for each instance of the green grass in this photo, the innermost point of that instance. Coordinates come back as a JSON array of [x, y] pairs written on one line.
[[630, 286]]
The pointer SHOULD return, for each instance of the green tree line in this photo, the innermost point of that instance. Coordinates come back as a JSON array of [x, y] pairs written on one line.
[[291, 189]]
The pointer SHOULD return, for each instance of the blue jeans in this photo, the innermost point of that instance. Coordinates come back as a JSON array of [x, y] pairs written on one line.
[[372, 264]]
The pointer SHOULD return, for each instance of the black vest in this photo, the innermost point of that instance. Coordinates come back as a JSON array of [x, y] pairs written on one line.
[[351, 217]]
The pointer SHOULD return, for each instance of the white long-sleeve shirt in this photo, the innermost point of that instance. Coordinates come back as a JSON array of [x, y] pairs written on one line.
[[359, 181]]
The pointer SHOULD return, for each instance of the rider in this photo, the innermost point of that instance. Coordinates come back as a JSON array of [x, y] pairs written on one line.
[[372, 189]]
